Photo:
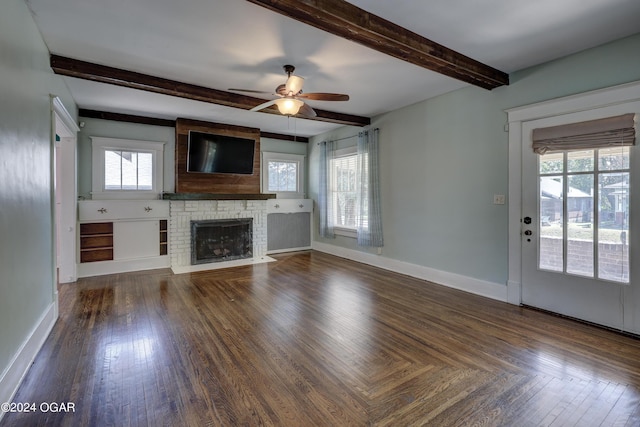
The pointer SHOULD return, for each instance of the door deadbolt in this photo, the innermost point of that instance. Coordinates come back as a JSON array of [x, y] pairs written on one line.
[[527, 220]]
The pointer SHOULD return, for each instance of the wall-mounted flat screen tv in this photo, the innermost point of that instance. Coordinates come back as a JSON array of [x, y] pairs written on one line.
[[210, 153]]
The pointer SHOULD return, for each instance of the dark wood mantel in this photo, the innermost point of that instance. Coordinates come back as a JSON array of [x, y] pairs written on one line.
[[212, 196]]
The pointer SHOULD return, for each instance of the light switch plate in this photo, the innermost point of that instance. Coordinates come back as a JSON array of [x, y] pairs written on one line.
[[498, 199]]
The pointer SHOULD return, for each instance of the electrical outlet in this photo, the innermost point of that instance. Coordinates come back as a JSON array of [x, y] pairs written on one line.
[[498, 199]]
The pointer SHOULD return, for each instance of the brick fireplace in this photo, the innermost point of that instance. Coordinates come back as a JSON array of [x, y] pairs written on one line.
[[215, 196], [219, 240], [183, 212]]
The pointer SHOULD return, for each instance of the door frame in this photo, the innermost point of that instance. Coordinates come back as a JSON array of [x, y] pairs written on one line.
[[614, 95], [63, 188]]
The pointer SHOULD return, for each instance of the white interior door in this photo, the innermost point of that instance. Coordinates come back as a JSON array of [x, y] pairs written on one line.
[[580, 227]]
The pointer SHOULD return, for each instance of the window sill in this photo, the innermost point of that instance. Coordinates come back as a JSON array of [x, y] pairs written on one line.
[[125, 195], [288, 195], [346, 232]]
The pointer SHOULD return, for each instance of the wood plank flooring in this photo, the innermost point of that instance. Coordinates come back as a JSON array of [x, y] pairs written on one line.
[[315, 340]]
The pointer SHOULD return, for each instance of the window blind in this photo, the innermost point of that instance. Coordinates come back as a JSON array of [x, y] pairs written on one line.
[[607, 132], [344, 189]]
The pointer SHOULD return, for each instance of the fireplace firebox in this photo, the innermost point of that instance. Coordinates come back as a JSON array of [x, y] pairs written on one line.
[[221, 240]]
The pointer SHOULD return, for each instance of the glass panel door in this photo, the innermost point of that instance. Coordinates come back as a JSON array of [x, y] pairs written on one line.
[[578, 229]]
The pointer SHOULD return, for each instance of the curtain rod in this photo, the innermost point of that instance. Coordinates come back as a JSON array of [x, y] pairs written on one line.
[[346, 137]]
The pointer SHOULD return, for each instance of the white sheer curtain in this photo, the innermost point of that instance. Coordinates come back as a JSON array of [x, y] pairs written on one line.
[[327, 152], [369, 220]]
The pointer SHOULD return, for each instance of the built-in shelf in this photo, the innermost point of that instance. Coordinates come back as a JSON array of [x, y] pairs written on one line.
[[96, 242], [122, 235], [163, 237], [211, 196]]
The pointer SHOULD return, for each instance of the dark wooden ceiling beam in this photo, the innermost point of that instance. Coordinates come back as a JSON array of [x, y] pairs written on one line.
[[134, 80], [348, 21], [282, 137], [154, 121], [128, 118]]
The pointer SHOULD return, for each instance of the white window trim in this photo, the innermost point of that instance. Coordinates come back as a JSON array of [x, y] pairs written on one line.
[[284, 157], [344, 231], [100, 145]]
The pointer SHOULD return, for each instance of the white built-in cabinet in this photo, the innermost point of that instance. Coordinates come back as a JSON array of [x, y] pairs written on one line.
[[122, 235]]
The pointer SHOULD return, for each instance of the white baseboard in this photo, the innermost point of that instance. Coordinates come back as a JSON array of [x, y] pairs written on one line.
[[100, 268], [484, 288], [282, 251], [21, 362]]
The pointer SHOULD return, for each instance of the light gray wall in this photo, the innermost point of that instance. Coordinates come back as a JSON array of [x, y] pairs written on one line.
[[442, 160], [123, 130], [281, 146], [114, 129], [26, 247]]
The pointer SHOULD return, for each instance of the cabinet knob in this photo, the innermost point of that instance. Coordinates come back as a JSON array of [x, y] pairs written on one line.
[[276, 206], [148, 209], [301, 206], [102, 210]]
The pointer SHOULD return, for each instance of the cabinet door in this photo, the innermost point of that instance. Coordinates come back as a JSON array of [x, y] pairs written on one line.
[[136, 239]]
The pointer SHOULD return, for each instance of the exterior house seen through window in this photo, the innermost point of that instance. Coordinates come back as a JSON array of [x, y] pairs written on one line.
[[128, 170]]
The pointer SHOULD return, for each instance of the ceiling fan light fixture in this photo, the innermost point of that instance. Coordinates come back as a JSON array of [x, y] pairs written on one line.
[[294, 85], [289, 106]]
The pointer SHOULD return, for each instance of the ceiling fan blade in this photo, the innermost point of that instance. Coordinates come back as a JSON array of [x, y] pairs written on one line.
[[249, 90], [307, 111], [324, 96], [294, 85], [263, 105]]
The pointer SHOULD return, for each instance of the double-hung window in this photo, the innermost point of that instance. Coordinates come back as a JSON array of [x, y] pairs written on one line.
[[349, 192], [345, 192], [126, 168]]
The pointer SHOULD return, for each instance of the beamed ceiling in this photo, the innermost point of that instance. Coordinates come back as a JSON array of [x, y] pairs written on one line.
[[160, 59]]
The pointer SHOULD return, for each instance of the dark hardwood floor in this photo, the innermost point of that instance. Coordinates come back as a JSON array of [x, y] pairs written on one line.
[[314, 340]]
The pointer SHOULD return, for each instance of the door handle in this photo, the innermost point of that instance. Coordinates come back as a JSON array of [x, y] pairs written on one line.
[[528, 233]]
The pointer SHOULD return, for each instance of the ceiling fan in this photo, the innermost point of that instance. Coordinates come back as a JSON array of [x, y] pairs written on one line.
[[290, 101]]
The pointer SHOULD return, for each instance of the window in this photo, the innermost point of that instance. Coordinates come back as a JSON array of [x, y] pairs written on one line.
[[344, 192], [349, 192], [584, 212], [126, 168], [283, 174]]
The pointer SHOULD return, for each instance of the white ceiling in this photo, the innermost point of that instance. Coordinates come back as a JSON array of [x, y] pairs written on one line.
[[223, 44]]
